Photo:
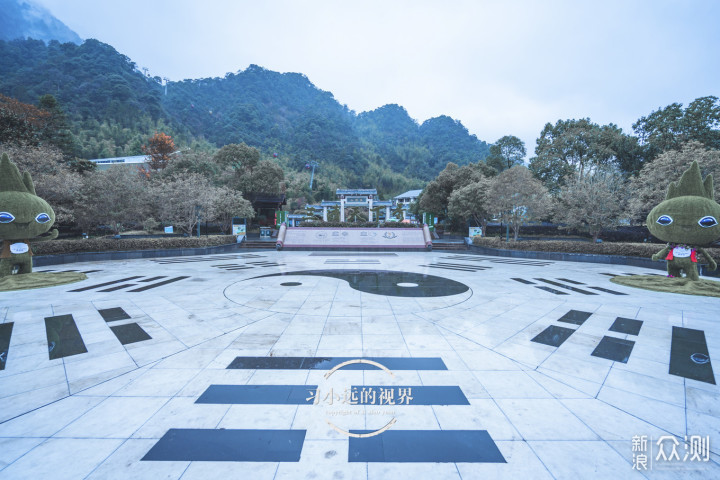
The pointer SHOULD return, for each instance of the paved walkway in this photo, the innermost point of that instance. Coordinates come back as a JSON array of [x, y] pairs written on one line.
[[225, 366]]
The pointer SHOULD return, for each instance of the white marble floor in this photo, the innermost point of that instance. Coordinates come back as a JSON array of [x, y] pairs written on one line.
[[551, 411]]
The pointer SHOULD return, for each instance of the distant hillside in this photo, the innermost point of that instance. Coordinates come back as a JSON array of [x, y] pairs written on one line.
[[25, 19], [113, 108]]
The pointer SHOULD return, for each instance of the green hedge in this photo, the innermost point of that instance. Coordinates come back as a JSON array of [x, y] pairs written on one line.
[[110, 244], [317, 224], [606, 248]]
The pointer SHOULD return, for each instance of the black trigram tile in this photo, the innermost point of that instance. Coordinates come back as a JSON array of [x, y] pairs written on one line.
[[457, 266], [689, 356], [309, 394], [5, 334], [117, 287], [557, 284], [265, 263], [158, 284], [440, 446], [63, 337], [327, 363], [522, 280], [551, 290], [151, 279], [113, 314], [567, 280], [627, 326], [130, 333], [607, 290], [553, 336], [227, 445], [165, 261], [90, 287], [576, 317], [344, 261], [615, 349]]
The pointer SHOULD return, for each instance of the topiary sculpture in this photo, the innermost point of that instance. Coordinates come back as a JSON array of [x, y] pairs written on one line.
[[23, 216], [688, 220]]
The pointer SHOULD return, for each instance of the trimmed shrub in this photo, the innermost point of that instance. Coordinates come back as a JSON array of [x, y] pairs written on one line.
[[110, 244], [606, 248]]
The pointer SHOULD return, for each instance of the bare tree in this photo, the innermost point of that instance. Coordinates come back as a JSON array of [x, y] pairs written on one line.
[[593, 202], [185, 200], [115, 197], [516, 197]]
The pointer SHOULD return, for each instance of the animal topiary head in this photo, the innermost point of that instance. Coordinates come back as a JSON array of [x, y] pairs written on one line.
[[689, 213], [23, 214]]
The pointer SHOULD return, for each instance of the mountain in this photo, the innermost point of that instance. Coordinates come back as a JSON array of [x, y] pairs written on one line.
[[113, 108], [25, 19]]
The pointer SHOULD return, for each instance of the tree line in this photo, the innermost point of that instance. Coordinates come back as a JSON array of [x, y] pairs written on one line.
[[584, 177]]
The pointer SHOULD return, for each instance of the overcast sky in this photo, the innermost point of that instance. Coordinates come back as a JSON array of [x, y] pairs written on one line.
[[501, 67]]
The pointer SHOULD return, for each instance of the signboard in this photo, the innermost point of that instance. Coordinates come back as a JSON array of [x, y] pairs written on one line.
[[475, 232], [238, 229], [355, 237], [169, 229], [429, 220], [280, 217]]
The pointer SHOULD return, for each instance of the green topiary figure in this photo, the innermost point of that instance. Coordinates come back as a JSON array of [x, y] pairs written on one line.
[[23, 216], [688, 220]]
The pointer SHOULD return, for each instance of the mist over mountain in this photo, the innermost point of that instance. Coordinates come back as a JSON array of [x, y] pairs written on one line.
[[25, 19]]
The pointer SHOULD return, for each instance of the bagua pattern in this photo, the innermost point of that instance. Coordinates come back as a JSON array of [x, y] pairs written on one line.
[[247, 266], [65, 340], [689, 355], [457, 266], [509, 261], [122, 283], [266, 445], [562, 283], [167, 261]]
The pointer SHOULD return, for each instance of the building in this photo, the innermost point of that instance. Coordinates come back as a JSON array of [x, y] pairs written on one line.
[[105, 163], [404, 200]]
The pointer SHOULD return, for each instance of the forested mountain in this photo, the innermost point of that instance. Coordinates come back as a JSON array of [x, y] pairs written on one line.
[[25, 19], [113, 107]]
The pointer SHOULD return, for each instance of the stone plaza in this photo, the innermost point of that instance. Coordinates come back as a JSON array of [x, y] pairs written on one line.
[[367, 365]]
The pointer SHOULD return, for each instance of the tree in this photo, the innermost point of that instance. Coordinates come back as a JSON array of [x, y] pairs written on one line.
[[228, 204], [515, 196], [670, 127], [185, 199], [58, 131], [238, 156], [648, 189], [20, 123], [592, 203], [470, 202], [113, 197], [573, 147], [436, 195], [159, 149], [506, 153]]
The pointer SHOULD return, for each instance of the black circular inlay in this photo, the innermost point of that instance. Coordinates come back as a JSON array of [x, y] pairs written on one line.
[[699, 358], [291, 284]]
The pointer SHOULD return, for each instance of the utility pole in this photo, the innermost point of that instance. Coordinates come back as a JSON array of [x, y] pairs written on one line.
[[311, 164]]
